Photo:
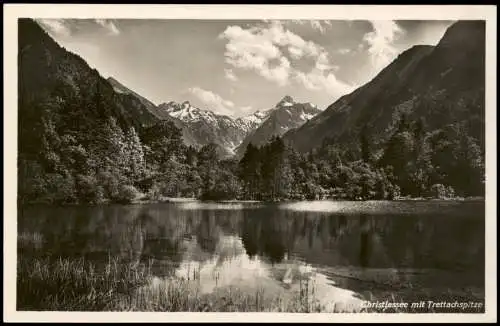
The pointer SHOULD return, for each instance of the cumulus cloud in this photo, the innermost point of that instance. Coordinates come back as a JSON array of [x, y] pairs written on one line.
[[257, 48], [321, 77], [57, 27], [381, 42], [319, 25], [279, 73], [344, 51], [317, 80], [230, 74], [109, 26], [252, 49], [214, 101], [296, 45]]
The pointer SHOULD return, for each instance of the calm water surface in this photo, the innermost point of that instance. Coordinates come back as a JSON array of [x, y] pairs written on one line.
[[349, 250]]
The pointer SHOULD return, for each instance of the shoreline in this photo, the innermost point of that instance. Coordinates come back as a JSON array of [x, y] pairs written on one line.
[[140, 289], [176, 200]]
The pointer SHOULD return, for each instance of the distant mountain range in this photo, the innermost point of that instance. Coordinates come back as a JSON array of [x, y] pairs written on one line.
[[440, 84], [209, 127], [58, 69], [286, 115], [190, 114], [232, 135], [416, 129]]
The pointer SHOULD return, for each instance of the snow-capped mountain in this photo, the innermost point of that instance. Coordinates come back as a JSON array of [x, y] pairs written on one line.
[[187, 135], [210, 127], [286, 115], [253, 121], [201, 127], [188, 113]]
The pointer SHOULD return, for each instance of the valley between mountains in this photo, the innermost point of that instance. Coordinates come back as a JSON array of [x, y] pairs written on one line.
[[231, 135], [415, 130]]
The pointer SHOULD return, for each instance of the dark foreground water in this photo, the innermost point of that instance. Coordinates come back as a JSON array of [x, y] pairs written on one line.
[[351, 251]]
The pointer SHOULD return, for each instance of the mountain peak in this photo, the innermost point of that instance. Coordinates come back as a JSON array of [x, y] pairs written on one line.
[[287, 100], [464, 33]]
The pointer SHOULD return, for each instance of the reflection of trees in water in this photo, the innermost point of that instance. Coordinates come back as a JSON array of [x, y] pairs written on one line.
[[365, 245], [310, 230], [129, 233], [160, 244], [250, 234], [274, 235], [71, 232], [229, 220], [413, 241], [208, 232], [364, 240], [271, 233], [165, 230], [212, 224], [265, 234], [158, 231]]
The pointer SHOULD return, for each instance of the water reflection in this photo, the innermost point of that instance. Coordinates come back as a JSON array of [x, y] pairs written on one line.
[[198, 205], [364, 254], [274, 246], [232, 266]]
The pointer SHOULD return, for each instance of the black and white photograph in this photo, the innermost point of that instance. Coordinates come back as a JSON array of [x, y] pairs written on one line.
[[329, 166]]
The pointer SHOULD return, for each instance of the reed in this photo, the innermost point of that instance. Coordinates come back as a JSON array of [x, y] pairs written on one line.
[[45, 284]]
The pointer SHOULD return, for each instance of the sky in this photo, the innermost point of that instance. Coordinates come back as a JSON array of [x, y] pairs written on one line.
[[238, 67]]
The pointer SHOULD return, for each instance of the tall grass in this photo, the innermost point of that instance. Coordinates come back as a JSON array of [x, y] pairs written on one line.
[[46, 284], [79, 285], [76, 284]]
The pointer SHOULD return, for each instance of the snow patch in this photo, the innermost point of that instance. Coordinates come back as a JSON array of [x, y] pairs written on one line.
[[306, 116]]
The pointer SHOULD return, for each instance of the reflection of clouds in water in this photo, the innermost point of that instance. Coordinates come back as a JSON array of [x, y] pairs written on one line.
[[218, 206], [231, 266], [305, 269], [342, 236], [239, 270], [228, 266], [374, 206], [327, 206], [229, 247]]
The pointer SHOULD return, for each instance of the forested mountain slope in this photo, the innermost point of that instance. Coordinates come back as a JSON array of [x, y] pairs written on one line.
[[440, 85]]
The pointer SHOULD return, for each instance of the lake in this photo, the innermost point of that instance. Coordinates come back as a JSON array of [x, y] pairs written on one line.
[[351, 252]]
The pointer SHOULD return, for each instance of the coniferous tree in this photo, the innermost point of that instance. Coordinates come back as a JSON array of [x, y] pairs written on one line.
[[365, 146], [134, 155], [249, 171]]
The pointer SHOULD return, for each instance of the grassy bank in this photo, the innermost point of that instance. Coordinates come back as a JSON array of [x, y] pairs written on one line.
[[45, 284], [78, 285]]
